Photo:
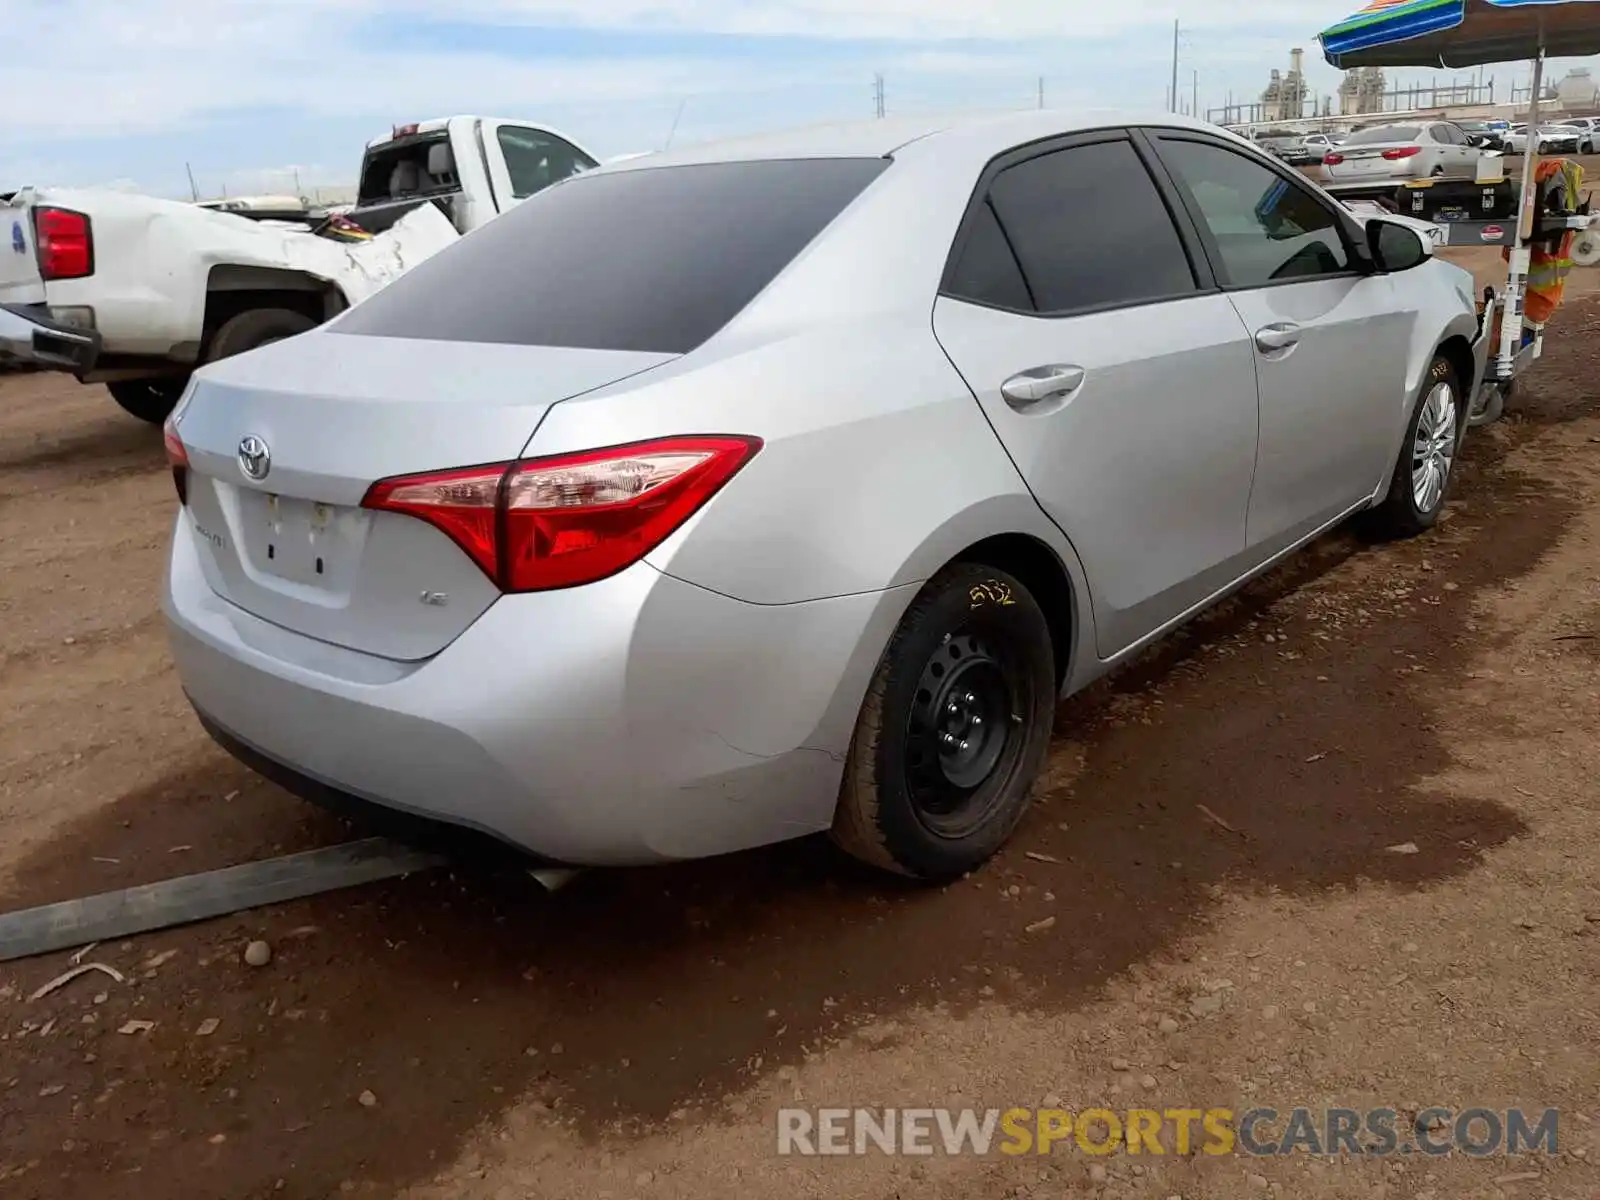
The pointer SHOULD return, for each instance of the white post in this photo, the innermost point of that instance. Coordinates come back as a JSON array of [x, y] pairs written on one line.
[[1517, 274]]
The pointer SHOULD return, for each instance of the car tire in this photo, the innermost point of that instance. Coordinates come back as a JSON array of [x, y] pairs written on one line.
[[953, 730], [255, 327], [150, 400], [1433, 436]]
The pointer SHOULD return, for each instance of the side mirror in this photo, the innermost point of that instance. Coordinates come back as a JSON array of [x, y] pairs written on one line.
[[1396, 247]]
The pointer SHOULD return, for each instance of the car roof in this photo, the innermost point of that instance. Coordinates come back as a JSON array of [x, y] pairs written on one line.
[[876, 138]]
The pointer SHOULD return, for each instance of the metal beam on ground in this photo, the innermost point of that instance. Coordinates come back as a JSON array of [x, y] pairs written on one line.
[[209, 894]]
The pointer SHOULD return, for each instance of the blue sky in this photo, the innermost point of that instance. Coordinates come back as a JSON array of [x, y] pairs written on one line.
[[251, 93]]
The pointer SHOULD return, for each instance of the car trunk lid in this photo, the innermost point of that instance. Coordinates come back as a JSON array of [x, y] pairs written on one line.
[[283, 443]]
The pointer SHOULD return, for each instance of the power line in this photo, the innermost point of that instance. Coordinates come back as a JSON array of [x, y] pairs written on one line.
[[877, 93]]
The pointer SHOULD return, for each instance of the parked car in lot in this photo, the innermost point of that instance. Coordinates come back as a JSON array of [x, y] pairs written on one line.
[[1588, 132], [1553, 139], [867, 443], [1482, 134], [1317, 146], [1385, 154], [1290, 147]]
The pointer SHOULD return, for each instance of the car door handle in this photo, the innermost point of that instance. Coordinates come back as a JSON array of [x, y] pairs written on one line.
[[1041, 383], [1282, 336]]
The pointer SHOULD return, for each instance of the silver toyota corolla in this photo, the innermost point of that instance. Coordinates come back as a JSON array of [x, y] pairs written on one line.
[[754, 490]]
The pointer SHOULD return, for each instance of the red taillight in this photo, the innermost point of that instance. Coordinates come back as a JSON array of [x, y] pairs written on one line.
[[401, 131], [1400, 152], [1332, 160], [64, 243], [556, 522], [177, 459]]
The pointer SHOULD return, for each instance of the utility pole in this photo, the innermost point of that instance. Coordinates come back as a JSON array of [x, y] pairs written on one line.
[[194, 192], [1194, 108], [1174, 93], [1041, 91], [877, 92]]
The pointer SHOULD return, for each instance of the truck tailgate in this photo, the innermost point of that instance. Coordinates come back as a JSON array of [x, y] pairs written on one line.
[[19, 265]]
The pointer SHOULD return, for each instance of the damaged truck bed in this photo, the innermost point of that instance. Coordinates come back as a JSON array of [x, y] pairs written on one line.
[[135, 291]]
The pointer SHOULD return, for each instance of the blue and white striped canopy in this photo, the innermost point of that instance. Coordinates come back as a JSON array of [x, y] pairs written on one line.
[[1462, 33]]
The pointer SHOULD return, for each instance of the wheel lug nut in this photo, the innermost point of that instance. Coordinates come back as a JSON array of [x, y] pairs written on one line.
[[977, 721]]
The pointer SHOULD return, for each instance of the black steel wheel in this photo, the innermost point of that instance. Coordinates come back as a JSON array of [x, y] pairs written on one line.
[[953, 729]]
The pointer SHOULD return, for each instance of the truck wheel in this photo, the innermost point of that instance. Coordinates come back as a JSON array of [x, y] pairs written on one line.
[[1426, 461], [255, 327], [150, 400], [953, 729]]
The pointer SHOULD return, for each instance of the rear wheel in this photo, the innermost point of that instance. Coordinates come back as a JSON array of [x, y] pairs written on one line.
[[953, 729], [255, 327], [150, 400], [1427, 458]]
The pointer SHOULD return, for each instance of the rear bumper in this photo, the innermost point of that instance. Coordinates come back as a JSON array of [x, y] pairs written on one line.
[[28, 335], [640, 719]]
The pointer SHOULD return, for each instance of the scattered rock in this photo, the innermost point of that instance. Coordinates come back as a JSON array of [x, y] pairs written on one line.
[[207, 1027], [1219, 985], [1147, 1082], [257, 954], [52, 1089], [1040, 926], [1310, 1006], [1402, 848], [1269, 1012], [643, 1178], [1098, 1173], [1204, 1006], [158, 960], [1167, 1025], [1120, 1064], [1409, 948], [136, 1026], [1258, 1182], [1526, 923], [216, 1139], [367, 1100]]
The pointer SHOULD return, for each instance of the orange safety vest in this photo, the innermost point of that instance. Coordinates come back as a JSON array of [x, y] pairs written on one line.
[[1549, 265]]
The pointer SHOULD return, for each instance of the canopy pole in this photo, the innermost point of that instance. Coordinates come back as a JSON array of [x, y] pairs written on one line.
[[1517, 267]]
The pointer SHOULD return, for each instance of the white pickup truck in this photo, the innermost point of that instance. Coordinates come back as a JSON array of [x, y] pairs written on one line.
[[135, 292]]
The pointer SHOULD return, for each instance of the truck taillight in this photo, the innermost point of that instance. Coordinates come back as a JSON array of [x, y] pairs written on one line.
[[64, 242], [1400, 152], [177, 459], [557, 522]]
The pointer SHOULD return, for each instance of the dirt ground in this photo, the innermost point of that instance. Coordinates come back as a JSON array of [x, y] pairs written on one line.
[[1214, 835]]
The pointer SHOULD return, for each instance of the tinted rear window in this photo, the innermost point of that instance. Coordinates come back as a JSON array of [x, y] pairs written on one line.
[[654, 260], [1384, 133]]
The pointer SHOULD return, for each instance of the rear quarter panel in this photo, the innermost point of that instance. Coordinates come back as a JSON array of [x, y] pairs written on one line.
[[877, 468]]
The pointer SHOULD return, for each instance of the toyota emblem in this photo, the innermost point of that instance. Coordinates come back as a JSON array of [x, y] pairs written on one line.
[[255, 459]]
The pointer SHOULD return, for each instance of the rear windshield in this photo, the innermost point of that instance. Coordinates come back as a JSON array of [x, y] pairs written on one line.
[[655, 259], [400, 168], [1384, 133]]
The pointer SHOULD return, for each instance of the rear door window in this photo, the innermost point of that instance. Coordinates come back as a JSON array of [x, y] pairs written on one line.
[[1266, 229], [1089, 229], [654, 259], [987, 271]]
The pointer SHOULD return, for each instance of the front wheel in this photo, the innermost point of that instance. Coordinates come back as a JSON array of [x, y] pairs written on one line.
[[1427, 458], [150, 400], [953, 730]]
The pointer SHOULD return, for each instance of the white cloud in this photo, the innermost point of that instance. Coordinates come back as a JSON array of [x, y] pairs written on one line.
[[109, 69]]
